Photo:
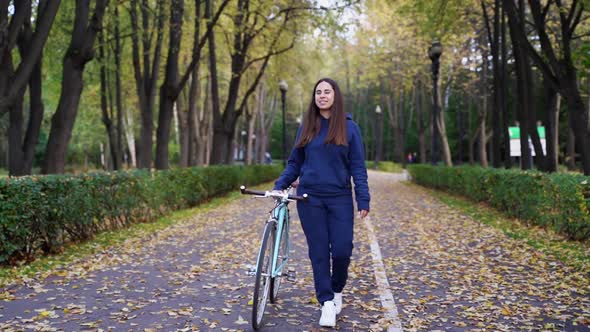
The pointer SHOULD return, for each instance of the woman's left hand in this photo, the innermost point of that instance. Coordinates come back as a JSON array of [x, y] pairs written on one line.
[[363, 214]]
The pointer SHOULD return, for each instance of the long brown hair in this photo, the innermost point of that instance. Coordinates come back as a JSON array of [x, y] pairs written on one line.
[[337, 122]]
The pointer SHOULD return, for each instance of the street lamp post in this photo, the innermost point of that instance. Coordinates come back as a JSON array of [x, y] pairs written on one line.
[[283, 86], [434, 52], [379, 134]]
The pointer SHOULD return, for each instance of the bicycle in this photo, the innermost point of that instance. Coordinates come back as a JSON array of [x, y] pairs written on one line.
[[273, 254]]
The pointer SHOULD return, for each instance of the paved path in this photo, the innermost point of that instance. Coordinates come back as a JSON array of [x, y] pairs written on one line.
[[446, 272]]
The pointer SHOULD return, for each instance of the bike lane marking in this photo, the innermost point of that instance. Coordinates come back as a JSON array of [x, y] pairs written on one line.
[[385, 293]]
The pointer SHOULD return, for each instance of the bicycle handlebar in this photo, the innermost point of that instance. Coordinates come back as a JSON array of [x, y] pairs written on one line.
[[245, 191]]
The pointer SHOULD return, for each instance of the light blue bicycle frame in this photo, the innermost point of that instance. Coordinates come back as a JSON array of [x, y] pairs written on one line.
[[279, 216], [282, 217]]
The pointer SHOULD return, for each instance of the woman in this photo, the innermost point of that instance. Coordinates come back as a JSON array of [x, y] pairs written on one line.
[[328, 152]]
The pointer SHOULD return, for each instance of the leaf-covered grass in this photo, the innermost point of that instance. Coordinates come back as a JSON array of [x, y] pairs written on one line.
[[77, 251], [385, 166], [572, 253]]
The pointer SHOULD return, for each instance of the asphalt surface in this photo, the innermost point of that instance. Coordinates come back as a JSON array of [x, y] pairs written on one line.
[[446, 272]]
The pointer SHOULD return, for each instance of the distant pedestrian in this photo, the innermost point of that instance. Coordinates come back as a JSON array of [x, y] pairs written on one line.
[[329, 151]]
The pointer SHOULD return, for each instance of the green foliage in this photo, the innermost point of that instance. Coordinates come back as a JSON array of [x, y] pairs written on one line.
[[384, 166], [42, 213], [558, 201]]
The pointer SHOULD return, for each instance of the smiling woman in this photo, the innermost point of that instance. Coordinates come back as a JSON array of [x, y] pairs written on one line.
[[329, 152]]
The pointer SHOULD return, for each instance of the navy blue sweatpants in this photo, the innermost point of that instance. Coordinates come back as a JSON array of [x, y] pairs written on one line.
[[328, 223]]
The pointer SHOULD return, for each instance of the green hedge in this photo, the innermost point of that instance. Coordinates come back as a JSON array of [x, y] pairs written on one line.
[[42, 213], [385, 166], [558, 201]]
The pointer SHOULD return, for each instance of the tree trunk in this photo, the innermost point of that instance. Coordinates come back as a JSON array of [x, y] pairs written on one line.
[[494, 41], [30, 45], [395, 124], [260, 147], [183, 134], [15, 135], [250, 124], [11, 86], [552, 126], [27, 147], [118, 91], [104, 106], [461, 129], [215, 101], [266, 120], [524, 84], [168, 88], [446, 150], [79, 53], [577, 111], [556, 64], [35, 118], [504, 79], [128, 126], [483, 159], [195, 144], [205, 123], [472, 136], [243, 36], [420, 123], [209, 108], [146, 79], [570, 159]]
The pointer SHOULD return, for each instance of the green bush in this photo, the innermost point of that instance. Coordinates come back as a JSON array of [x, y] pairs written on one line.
[[42, 213], [558, 201], [384, 166]]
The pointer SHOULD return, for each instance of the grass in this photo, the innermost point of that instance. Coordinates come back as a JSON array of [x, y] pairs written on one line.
[[3, 173], [385, 166], [572, 253], [75, 251]]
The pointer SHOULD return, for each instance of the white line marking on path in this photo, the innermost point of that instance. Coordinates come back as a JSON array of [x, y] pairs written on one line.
[[382, 283]]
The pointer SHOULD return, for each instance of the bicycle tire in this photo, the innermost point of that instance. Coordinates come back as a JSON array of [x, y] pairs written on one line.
[[275, 283], [262, 283]]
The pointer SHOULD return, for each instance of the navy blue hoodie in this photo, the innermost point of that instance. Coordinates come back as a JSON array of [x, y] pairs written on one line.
[[326, 169]]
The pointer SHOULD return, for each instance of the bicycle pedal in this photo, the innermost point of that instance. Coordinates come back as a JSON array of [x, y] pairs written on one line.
[[291, 275], [250, 270]]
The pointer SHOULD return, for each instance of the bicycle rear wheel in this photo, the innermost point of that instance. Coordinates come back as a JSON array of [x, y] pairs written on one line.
[[275, 283], [263, 273]]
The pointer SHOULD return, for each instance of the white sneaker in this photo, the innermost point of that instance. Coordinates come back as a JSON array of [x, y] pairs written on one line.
[[338, 302], [328, 318]]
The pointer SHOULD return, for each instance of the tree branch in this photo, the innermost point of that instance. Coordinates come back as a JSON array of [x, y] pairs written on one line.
[[22, 74], [546, 9], [14, 27], [487, 22], [543, 38], [576, 21], [251, 62], [260, 73], [570, 15], [194, 61]]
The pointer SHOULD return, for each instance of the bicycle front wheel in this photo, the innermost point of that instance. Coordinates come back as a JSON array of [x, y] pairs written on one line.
[[263, 273], [275, 283]]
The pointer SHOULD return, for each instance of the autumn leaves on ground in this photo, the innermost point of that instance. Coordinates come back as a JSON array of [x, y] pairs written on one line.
[[447, 272]]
